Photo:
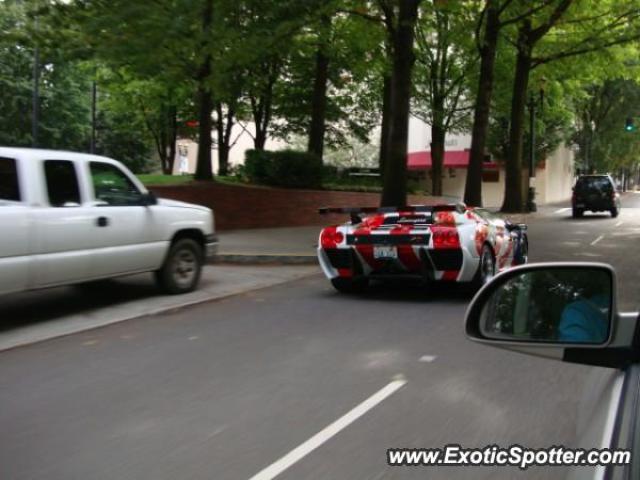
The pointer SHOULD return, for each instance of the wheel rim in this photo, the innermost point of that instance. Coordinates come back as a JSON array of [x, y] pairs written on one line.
[[487, 267], [184, 268]]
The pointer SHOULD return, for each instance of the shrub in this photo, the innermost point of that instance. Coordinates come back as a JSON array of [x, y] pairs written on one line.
[[256, 166], [284, 168]]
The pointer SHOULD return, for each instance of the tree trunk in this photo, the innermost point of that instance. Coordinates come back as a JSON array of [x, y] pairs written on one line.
[[473, 185], [437, 157], [513, 192], [394, 191], [173, 138], [261, 109], [319, 98], [224, 126], [260, 140], [204, 170], [386, 123]]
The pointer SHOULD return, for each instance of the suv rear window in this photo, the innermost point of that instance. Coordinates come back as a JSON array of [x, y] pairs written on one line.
[[9, 186], [594, 183]]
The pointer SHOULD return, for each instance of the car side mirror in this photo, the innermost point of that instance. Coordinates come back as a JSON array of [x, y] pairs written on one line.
[[147, 199], [558, 310]]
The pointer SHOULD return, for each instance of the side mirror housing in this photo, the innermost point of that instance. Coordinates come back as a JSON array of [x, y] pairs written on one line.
[[558, 310], [148, 199]]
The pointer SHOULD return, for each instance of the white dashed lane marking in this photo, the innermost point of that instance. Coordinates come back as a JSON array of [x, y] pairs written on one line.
[[597, 240], [427, 358], [562, 210], [619, 223], [322, 436]]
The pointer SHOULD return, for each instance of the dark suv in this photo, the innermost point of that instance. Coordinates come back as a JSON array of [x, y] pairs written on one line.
[[596, 193]]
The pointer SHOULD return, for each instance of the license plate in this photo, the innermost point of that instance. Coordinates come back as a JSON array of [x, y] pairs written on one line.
[[385, 251]]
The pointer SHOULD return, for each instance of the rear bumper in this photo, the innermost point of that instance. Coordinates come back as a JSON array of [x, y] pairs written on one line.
[[596, 206], [211, 246], [450, 264]]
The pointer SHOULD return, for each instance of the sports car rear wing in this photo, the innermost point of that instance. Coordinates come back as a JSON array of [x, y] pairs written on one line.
[[457, 207]]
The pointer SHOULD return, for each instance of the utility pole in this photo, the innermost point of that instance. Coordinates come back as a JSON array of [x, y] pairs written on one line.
[[532, 104], [94, 91], [35, 100], [531, 198]]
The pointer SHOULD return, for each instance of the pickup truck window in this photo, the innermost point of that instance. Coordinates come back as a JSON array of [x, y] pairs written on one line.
[[62, 183], [9, 187], [112, 186]]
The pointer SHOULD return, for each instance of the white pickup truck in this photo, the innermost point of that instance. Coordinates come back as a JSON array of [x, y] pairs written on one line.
[[68, 218]]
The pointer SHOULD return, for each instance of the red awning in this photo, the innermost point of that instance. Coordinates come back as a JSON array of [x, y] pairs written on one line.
[[452, 159]]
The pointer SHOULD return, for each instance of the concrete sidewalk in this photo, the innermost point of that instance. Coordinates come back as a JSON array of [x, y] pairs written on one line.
[[290, 245], [44, 314]]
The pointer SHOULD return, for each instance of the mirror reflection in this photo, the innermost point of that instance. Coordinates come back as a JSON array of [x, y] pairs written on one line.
[[555, 305]]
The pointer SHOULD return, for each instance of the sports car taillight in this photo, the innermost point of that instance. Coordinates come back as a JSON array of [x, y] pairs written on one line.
[[330, 237], [444, 237]]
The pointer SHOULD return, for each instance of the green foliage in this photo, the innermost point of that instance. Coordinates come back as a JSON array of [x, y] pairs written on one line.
[[117, 137], [284, 168], [603, 143], [256, 166], [154, 179], [64, 86]]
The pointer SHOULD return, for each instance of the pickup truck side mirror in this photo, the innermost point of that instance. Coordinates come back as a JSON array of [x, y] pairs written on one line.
[[564, 311], [148, 199]]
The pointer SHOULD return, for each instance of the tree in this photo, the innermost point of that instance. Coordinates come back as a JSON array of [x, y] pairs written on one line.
[[320, 84], [402, 19], [445, 58], [487, 41], [604, 144], [610, 24], [528, 36], [496, 15]]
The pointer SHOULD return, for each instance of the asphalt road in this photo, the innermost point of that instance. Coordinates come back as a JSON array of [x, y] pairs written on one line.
[[224, 390]]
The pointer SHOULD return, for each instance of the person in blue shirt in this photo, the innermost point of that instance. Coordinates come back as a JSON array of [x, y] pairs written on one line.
[[585, 320]]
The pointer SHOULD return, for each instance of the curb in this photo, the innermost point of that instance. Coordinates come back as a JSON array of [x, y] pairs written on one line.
[[35, 339], [265, 259]]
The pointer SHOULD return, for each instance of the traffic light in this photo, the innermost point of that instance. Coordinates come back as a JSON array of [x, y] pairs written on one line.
[[629, 125]]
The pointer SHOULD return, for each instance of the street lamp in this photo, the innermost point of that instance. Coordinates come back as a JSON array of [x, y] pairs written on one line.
[[533, 104]]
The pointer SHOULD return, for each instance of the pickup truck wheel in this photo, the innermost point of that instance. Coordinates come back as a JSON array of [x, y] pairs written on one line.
[[182, 267]]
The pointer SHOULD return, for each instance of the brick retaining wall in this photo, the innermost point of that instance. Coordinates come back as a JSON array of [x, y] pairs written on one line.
[[240, 206]]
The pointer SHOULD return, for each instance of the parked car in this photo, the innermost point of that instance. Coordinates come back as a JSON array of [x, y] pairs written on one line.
[[429, 243], [567, 312], [69, 218], [596, 193]]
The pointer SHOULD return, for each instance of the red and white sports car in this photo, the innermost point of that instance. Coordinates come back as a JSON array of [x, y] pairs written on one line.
[[431, 243]]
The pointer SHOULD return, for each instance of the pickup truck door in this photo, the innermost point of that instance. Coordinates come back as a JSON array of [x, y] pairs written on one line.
[[130, 238], [64, 229], [14, 218]]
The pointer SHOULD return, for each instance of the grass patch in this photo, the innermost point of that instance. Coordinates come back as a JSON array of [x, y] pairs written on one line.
[[159, 179]]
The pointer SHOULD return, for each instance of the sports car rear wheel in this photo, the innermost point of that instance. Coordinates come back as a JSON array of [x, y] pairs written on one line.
[[486, 268], [576, 213], [349, 285]]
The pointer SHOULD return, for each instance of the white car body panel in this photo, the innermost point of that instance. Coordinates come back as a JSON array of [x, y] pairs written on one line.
[[44, 245]]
